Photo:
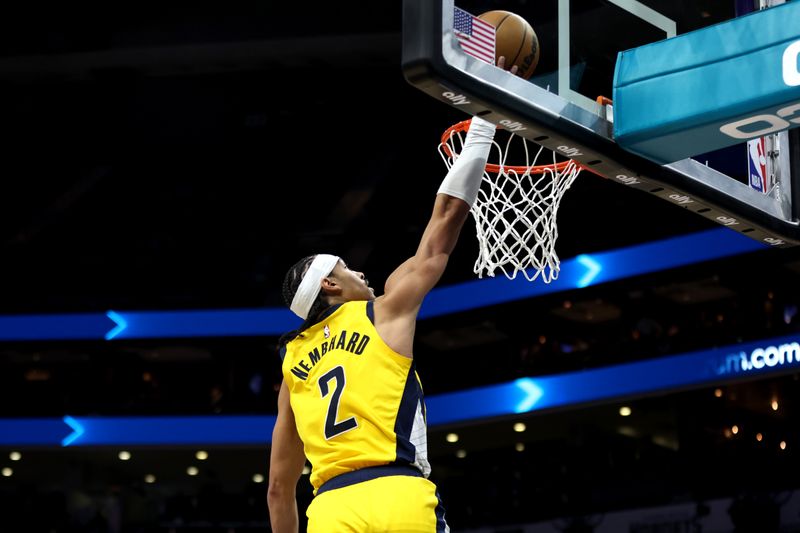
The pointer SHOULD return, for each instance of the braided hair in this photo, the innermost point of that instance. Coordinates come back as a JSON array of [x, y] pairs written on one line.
[[291, 282]]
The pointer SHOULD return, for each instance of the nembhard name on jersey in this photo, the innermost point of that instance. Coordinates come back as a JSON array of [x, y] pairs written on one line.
[[354, 343]]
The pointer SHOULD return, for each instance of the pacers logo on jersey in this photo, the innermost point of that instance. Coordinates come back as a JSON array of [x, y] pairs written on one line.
[[327, 332]]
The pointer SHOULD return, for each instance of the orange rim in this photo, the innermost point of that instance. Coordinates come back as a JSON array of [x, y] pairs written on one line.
[[604, 100], [463, 126]]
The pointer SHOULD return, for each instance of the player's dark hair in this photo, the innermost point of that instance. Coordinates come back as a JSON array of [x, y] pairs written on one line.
[[291, 282]]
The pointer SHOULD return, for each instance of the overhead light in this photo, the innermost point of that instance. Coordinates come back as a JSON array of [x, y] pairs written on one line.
[[519, 427], [451, 437], [759, 437], [258, 478], [783, 445], [124, 455], [149, 478], [774, 405], [15, 456], [520, 447], [789, 312], [666, 440], [192, 471], [201, 455], [735, 429], [718, 393], [625, 411], [7, 472]]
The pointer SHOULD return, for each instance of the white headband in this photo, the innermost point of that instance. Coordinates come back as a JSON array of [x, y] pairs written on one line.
[[307, 292]]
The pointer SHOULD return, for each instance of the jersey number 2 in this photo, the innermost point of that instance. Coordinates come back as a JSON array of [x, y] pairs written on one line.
[[333, 428]]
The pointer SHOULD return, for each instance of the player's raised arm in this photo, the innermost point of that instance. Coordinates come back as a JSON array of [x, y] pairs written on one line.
[[407, 286], [285, 468]]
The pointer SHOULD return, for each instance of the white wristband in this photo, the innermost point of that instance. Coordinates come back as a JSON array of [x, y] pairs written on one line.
[[464, 178]]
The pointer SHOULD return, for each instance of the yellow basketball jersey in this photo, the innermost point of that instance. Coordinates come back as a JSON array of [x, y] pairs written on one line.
[[357, 403]]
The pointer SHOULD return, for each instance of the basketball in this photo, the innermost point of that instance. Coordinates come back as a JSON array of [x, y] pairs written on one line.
[[515, 40]]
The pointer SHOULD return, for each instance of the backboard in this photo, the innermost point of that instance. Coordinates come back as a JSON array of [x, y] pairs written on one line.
[[558, 107]]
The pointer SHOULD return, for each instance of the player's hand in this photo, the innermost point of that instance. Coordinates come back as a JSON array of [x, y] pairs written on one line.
[[501, 63]]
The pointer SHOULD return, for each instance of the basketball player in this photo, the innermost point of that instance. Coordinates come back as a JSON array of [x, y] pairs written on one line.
[[351, 402]]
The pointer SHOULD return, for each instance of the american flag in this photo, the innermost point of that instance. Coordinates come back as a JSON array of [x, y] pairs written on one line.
[[475, 36]]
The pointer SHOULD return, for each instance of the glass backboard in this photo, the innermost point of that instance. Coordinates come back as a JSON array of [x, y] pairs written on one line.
[[558, 107]]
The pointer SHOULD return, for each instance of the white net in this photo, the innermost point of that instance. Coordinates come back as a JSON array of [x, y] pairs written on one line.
[[515, 213]]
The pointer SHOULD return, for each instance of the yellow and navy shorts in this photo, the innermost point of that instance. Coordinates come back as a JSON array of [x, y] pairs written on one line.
[[378, 498]]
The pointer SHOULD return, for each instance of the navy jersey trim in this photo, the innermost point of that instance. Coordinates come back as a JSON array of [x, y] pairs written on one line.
[[366, 474], [328, 312], [371, 311], [405, 417], [325, 314]]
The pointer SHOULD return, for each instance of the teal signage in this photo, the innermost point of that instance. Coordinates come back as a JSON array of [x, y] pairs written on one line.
[[710, 88]]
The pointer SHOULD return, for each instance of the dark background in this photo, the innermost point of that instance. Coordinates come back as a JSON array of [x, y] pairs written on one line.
[[161, 156]]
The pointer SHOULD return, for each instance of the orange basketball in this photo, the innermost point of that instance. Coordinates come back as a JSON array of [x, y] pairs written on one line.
[[515, 40]]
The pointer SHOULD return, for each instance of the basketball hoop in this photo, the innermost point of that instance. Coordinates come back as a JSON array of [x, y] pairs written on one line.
[[515, 213]]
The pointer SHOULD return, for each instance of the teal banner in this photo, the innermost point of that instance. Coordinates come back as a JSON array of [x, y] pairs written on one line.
[[711, 88]]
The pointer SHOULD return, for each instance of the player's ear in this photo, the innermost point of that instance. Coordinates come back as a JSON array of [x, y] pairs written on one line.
[[330, 286]]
